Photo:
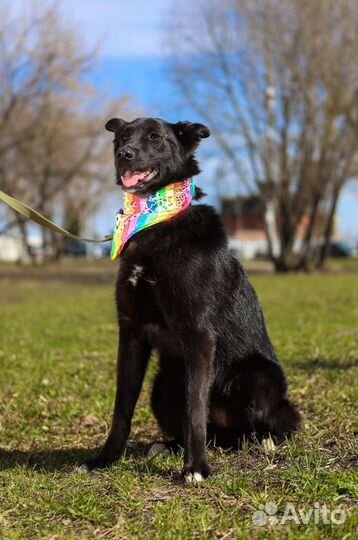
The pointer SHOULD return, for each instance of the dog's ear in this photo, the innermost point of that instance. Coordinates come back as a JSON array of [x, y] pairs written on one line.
[[115, 124], [190, 135]]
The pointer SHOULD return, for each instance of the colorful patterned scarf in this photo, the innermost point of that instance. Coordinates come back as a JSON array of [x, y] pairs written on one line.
[[139, 213]]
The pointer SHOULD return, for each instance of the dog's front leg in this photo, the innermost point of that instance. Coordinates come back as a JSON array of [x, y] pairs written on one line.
[[133, 356], [198, 368]]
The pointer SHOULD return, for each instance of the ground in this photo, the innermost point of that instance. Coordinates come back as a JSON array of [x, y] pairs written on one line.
[[57, 356]]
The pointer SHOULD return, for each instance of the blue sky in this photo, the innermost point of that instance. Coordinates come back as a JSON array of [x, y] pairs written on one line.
[[133, 60]]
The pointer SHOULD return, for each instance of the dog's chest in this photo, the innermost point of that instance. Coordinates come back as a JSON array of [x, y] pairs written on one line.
[[136, 293], [136, 275]]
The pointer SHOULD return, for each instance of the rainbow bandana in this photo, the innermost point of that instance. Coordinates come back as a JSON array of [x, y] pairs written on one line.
[[140, 213]]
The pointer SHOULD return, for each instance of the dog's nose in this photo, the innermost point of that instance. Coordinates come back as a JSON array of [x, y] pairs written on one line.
[[125, 153]]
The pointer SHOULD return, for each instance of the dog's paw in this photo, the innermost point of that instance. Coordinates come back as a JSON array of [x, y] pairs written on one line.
[[267, 445], [82, 469], [158, 448], [97, 463], [194, 474]]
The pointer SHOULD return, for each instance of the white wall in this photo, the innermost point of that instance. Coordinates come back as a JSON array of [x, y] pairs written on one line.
[[11, 248]]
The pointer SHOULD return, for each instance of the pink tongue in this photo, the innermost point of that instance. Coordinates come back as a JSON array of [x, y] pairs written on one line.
[[131, 178]]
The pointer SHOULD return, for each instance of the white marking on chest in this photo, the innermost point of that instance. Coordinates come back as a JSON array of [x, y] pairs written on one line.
[[137, 271]]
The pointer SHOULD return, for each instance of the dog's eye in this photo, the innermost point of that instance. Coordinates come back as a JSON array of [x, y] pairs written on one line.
[[154, 136], [120, 139]]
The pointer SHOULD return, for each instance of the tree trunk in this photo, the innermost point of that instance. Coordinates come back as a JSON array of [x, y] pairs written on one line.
[[287, 261], [24, 236], [269, 223], [306, 256], [323, 252]]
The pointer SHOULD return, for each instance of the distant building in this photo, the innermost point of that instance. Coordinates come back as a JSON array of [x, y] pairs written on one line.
[[245, 225], [242, 218], [12, 248]]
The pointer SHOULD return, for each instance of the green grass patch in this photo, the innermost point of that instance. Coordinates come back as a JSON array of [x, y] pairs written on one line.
[[58, 346]]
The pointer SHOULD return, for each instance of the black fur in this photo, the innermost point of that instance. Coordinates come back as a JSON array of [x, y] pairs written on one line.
[[219, 376]]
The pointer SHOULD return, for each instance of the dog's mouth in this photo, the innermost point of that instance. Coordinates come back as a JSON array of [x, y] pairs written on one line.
[[135, 178]]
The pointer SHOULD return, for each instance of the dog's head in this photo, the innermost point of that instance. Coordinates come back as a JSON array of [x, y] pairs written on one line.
[[150, 153]]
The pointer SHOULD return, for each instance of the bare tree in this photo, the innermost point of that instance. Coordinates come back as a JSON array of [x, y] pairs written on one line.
[[276, 80], [53, 151]]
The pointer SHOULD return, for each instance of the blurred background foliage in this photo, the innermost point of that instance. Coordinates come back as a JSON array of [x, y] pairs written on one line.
[[276, 82]]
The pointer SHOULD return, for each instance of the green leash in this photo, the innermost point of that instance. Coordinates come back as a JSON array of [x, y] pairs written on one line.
[[35, 216]]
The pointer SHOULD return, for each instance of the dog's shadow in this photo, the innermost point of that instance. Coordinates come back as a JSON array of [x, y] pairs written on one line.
[[53, 460], [50, 460], [313, 364]]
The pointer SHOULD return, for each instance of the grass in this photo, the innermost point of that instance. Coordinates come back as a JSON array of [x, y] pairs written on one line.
[[57, 358]]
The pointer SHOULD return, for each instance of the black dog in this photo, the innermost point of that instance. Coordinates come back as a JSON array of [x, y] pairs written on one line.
[[179, 291]]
